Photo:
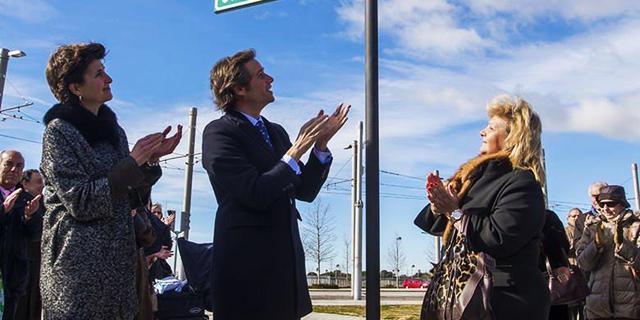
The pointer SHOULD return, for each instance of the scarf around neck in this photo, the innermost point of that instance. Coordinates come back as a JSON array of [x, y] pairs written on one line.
[[94, 128]]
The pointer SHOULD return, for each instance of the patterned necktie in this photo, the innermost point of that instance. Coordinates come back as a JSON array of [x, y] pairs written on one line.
[[264, 133]]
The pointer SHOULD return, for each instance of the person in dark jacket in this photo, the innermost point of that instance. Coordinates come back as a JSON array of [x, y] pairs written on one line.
[[92, 181], [610, 250], [497, 198], [20, 223], [555, 246], [145, 236], [30, 307], [257, 175], [161, 247]]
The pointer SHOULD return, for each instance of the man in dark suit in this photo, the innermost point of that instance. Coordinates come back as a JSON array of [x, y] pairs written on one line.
[[30, 306], [257, 175], [20, 223]]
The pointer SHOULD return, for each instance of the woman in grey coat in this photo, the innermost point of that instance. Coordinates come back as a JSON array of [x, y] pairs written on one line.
[[92, 182]]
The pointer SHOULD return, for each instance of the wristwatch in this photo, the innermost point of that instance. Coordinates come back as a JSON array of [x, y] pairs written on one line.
[[456, 215]]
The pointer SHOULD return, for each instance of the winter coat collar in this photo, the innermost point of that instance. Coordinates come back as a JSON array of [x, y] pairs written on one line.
[[493, 164], [94, 129]]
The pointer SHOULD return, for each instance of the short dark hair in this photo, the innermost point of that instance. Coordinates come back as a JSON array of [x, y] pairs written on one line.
[[67, 65], [227, 74], [27, 174]]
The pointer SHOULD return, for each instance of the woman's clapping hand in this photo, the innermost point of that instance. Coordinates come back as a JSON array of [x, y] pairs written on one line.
[[153, 146]]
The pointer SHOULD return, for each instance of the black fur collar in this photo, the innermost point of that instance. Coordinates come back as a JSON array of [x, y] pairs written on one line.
[[94, 129]]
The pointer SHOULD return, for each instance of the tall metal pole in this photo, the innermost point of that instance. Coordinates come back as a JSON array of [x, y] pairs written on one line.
[[4, 62], [636, 186], [354, 211], [357, 251], [372, 157], [188, 176], [188, 182]]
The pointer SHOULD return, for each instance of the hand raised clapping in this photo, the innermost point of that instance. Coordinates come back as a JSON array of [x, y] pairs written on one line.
[[443, 200], [155, 145], [333, 125], [10, 200], [319, 130]]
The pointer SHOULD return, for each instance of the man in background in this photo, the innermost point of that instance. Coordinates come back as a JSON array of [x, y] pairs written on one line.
[[30, 307], [19, 224]]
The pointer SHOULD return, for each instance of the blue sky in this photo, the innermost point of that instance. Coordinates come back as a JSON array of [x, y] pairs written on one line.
[[440, 62]]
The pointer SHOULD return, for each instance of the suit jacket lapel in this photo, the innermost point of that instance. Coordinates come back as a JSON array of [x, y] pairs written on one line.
[[276, 138], [250, 130]]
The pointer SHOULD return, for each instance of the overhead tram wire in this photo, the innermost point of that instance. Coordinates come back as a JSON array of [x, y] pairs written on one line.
[[18, 138], [402, 175], [23, 97], [341, 168], [4, 116], [342, 191]]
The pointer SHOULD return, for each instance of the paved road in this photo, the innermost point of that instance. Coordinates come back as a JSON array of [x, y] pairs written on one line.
[[328, 316], [342, 297]]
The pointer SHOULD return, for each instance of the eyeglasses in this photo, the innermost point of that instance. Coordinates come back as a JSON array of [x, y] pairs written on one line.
[[610, 204], [573, 217]]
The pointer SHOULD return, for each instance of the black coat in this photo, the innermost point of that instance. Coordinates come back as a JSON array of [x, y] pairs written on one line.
[[555, 244], [506, 214], [258, 261], [15, 236]]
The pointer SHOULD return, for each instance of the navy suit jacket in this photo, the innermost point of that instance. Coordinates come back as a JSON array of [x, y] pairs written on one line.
[[258, 260]]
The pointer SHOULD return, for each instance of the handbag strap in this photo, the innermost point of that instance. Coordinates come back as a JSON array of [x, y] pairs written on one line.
[[549, 270]]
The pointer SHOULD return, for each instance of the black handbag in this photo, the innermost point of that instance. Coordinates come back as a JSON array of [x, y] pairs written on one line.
[[462, 284]]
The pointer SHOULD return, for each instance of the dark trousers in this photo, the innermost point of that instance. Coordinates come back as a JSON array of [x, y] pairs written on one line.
[[30, 305], [10, 308]]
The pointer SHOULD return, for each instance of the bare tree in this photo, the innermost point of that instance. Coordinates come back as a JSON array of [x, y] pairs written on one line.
[[346, 242], [396, 257], [319, 235]]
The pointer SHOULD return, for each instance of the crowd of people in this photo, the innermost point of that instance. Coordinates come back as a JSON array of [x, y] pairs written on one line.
[[508, 257], [81, 239], [21, 228]]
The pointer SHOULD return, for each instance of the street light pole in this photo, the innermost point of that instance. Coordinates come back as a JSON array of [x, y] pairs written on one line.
[[372, 166], [5, 54], [398, 239]]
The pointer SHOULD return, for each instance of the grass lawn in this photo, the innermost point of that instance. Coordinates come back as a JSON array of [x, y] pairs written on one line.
[[401, 312]]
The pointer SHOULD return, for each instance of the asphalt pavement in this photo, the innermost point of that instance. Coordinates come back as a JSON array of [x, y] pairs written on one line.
[[343, 297]]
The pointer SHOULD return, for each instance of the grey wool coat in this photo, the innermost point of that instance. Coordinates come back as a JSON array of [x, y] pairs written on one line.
[[88, 242]]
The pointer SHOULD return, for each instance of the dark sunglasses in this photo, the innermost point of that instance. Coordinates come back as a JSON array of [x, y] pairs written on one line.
[[610, 204]]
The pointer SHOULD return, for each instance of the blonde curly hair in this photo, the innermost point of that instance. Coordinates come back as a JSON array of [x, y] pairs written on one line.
[[524, 129]]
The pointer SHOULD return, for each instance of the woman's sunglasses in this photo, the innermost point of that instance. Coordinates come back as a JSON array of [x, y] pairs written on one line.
[[610, 204]]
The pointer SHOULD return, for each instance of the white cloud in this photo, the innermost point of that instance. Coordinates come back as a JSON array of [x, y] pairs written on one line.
[[568, 9], [31, 10], [615, 119], [421, 27], [574, 83]]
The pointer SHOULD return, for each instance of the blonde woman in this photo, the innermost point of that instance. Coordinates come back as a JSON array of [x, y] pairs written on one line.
[[496, 203]]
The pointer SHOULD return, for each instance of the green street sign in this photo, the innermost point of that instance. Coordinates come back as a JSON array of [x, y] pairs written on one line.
[[226, 5]]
